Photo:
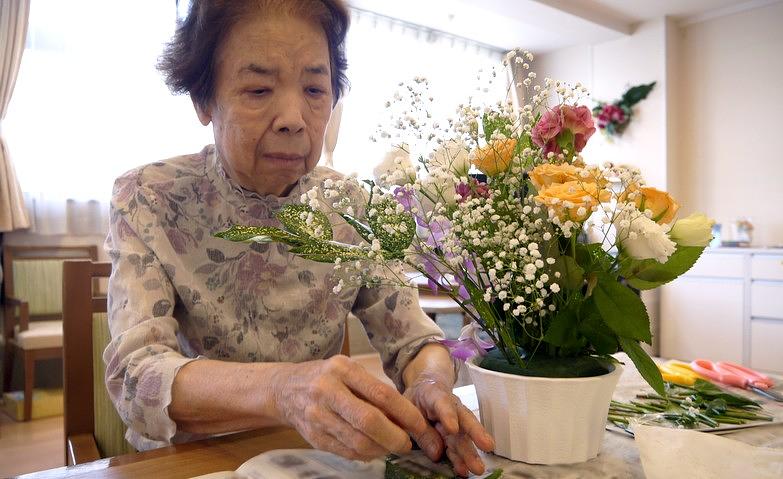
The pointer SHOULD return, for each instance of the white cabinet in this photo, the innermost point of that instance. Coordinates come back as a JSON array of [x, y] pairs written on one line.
[[702, 318], [728, 307], [766, 345]]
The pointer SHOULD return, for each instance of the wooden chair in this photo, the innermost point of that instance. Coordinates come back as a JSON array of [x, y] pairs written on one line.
[[93, 429], [33, 325]]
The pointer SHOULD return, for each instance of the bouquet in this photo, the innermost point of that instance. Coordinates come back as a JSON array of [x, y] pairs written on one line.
[[614, 117], [543, 251]]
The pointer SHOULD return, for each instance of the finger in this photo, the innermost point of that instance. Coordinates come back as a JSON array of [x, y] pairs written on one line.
[[457, 463], [470, 425], [331, 443], [387, 399], [431, 442], [461, 446], [353, 439], [445, 411], [372, 422]]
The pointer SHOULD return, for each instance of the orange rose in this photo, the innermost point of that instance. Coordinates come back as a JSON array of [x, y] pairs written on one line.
[[663, 206], [548, 174], [572, 200], [495, 157]]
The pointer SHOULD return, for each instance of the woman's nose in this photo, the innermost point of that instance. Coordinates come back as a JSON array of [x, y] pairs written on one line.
[[289, 117]]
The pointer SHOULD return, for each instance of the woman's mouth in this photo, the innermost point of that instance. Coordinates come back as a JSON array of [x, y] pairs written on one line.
[[284, 157]]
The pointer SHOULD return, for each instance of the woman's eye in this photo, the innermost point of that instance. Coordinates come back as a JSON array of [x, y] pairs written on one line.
[[316, 91], [258, 91]]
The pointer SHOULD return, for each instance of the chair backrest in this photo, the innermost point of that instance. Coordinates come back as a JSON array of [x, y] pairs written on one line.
[[34, 274], [93, 429]]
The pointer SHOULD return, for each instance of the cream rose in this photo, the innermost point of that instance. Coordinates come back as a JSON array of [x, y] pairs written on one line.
[[395, 168], [572, 200], [495, 157], [643, 238], [662, 205], [695, 230], [548, 173]]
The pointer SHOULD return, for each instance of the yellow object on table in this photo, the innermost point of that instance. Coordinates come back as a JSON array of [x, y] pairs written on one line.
[[678, 372], [46, 403]]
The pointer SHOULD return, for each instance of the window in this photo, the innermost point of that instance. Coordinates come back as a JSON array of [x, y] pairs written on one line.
[[89, 103], [382, 53]]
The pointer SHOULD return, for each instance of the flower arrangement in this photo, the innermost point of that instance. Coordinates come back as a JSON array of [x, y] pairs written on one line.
[[614, 117], [541, 250]]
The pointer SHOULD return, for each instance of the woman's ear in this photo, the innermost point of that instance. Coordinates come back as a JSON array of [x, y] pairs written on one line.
[[204, 113]]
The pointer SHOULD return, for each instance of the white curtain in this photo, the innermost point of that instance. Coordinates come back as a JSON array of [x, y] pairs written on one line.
[[13, 31], [383, 52], [90, 105]]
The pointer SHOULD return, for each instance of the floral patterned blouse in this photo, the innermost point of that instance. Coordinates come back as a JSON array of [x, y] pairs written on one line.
[[177, 294]]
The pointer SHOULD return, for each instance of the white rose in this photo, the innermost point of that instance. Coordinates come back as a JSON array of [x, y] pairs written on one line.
[[439, 187], [695, 230], [395, 168], [452, 156], [643, 238]]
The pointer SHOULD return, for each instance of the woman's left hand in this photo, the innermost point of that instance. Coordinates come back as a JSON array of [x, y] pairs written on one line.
[[457, 425]]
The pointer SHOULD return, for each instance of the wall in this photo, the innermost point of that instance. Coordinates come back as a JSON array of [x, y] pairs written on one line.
[[706, 132], [607, 70], [730, 161]]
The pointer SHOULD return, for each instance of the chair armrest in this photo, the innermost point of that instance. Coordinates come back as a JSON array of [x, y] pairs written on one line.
[[81, 448], [24, 314], [11, 301]]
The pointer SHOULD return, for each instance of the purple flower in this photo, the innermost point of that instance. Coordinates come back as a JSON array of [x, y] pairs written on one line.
[[469, 343], [405, 197]]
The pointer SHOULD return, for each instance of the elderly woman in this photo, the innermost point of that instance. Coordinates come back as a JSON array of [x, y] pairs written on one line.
[[210, 336]]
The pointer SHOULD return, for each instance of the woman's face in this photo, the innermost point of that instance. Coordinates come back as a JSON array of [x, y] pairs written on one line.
[[272, 101]]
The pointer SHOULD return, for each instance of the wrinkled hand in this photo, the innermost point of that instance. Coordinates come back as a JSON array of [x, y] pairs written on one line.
[[458, 427], [337, 406]]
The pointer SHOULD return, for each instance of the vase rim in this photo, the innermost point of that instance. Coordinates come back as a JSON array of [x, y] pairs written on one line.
[[471, 363]]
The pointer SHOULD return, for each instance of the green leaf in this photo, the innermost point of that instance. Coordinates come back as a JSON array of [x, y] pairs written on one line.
[[294, 218], [592, 257], [563, 331], [621, 309], [492, 122], [394, 242], [649, 274], [328, 251], [636, 94], [361, 228], [572, 276], [711, 391], [592, 326], [644, 364], [258, 234], [566, 140]]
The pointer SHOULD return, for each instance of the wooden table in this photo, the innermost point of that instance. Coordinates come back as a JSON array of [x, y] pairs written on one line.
[[224, 453], [619, 455]]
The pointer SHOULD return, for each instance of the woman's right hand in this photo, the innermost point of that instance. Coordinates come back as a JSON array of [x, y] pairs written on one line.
[[337, 406]]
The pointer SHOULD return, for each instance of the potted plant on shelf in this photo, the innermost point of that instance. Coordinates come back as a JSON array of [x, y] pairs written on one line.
[[544, 252]]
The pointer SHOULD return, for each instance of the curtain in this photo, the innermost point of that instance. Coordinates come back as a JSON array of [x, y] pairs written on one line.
[[382, 52], [90, 105], [13, 31]]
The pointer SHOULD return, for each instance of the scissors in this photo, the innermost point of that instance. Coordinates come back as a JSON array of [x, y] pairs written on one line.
[[736, 375], [678, 372]]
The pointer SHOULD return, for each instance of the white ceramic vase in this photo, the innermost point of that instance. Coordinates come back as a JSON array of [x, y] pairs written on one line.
[[544, 420]]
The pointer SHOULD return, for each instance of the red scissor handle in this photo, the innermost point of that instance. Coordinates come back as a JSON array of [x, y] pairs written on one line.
[[711, 370], [755, 378]]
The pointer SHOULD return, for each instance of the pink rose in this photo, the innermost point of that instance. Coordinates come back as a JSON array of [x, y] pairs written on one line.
[[580, 121], [546, 130], [577, 119]]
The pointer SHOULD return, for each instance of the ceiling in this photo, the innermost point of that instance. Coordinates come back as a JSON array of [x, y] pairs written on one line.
[[544, 25]]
